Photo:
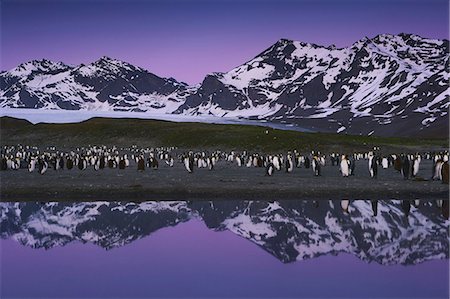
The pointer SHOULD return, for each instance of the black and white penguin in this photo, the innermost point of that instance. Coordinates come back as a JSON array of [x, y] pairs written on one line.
[[316, 166], [415, 166], [188, 162], [69, 163], [210, 163], [352, 165], [374, 207], [102, 162], [82, 163], [3, 165], [307, 162], [345, 166], [154, 163], [289, 164], [405, 167], [445, 173], [269, 169], [384, 163], [437, 170], [445, 209], [32, 165], [141, 164], [122, 164], [169, 162], [373, 167], [43, 166]]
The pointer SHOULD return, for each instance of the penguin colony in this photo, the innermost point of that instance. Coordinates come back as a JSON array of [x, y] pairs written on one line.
[[102, 157]]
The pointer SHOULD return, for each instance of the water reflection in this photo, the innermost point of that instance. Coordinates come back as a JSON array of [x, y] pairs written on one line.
[[386, 232]]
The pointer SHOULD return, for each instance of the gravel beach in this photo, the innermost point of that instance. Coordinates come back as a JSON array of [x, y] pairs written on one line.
[[226, 181]]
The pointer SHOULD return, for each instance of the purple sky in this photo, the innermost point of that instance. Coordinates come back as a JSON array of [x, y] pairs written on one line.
[[186, 39]]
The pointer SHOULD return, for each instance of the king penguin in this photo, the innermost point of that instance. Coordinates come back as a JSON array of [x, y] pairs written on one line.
[[269, 169], [344, 166]]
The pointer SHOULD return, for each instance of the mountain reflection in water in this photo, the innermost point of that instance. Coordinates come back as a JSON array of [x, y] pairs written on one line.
[[289, 230]]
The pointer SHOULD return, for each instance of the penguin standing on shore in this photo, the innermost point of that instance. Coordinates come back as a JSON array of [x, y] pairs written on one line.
[[445, 172], [344, 166], [307, 162], [269, 169], [384, 163], [373, 167], [42, 165], [316, 166], [32, 164], [415, 166], [405, 167], [289, 164], [188, 162], [141, 164]]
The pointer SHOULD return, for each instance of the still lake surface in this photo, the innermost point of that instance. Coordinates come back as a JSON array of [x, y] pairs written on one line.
[[224, 249]]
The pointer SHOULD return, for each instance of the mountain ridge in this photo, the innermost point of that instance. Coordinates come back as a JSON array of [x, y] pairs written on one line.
[[389, 85]]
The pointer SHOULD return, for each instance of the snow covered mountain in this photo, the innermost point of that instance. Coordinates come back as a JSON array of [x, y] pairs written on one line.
[[106, 84], [390, 85], [289, 230]]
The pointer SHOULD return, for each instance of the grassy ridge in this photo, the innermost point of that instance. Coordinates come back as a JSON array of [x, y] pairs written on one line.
[[125, 132]]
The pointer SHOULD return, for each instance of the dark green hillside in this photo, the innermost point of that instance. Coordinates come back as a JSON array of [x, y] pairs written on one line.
[[126, 132]]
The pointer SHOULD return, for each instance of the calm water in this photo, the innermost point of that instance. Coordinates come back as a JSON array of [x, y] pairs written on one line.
[[223, 249]]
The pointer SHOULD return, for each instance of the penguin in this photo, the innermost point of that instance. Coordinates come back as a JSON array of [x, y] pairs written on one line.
[[238, 161], [43, 166], [384, 163], [61, 163], [345, 203], [32, 165], [445, 209], [4, 165], [269, 169], [373, 167], [101, 162], [438, 170], [307, 162], [398, 163], [289, 164], [352, 165], [415, 166], [82, 164], [344, 166], [141, 164], [416, 203], [276, 163], [69, 163], [374, 207], [316, 166], [154, 163], [189, 163], [445, 172], [405, 167], [210, 163], [169, 162], [122, 164]]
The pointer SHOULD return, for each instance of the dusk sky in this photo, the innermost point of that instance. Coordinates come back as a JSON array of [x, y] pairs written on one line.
[[187, 39]]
